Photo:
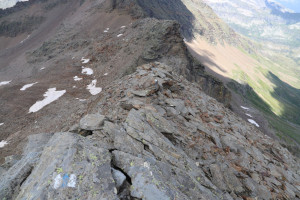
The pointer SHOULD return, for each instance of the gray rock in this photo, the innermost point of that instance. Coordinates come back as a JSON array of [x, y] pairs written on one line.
[[217, 177], [70, 165], [178, 104], [92, 122], [119, 177]]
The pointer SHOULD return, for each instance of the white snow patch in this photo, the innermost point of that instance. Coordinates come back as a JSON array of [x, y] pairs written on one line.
[[119, 35], [3, 143], [106, 30], [253, 122], [4, 83], [57, 182], [84, 60], [50, 96], [28, 86], [248, 115], [245, 108], [1, 124], [76, 78], [81, 99], [24, 39], [42, 68], [74, 86], [105, 74], [93, 89], [72, 181], [87, 71], [123, 26]]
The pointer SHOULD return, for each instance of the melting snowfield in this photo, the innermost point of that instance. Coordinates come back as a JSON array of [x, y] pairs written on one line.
[[3, 143], [87, 71], [24, 39], [76, 78], [93, 89], [253, 122], [84, 61], [28, 86], [50, 96], [4, 83], [248, 115], [245, 108]]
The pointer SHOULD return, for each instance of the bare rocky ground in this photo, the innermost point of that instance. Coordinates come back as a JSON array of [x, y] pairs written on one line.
[[154, 135], [55, 61]]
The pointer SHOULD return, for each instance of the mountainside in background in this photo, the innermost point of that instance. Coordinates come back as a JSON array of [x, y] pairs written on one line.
[[261, 20], [273, 76]]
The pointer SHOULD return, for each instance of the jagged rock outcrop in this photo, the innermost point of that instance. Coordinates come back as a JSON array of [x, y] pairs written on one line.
[[165, 42], [162, 138]]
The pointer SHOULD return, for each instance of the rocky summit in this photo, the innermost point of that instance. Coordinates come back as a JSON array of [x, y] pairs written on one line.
[[153, 135]]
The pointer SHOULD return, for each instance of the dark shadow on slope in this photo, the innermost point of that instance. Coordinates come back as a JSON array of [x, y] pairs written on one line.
[[159, 9], [170, 10], [288, 96], [287, 132]]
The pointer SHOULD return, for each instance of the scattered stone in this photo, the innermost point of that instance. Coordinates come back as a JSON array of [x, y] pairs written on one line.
[[92, 122]]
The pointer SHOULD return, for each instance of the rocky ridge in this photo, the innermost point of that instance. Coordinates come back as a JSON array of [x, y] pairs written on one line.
[[153, 135]]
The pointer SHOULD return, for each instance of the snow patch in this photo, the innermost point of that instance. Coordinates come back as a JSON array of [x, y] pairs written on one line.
[[1, 124], [253, 122], [4, 83], [106, 30], [119, 35], [248, 115], [50, 96], [28, 86], [81, 100], [3, 143], [245, 108], [87, 71], [123, 26], [42, 68], [24, 39], [84, 61], [76, 78], [93, 89], [105, 74]]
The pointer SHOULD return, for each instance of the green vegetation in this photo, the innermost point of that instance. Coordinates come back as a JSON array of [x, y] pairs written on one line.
[[278, 98]]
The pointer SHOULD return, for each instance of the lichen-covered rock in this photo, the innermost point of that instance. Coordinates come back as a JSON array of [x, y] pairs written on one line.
[[70, 165]]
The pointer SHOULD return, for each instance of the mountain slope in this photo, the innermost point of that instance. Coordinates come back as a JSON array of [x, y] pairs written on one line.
[[241, 62], [111, 47], [159, 137]]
